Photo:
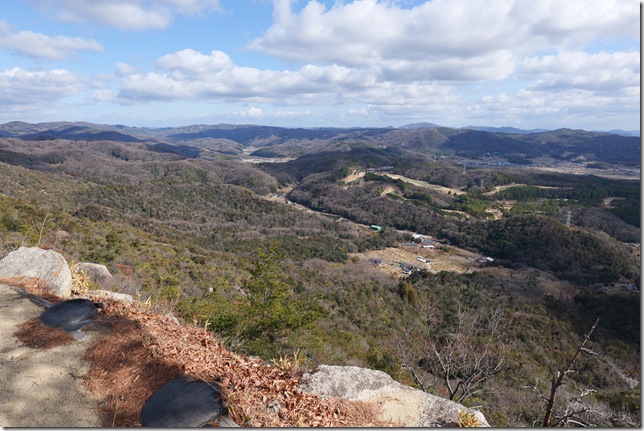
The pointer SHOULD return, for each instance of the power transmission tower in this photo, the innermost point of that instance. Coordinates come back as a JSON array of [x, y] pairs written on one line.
[[568, 218]]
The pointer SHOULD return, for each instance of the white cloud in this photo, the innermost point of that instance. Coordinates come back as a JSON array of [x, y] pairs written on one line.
[[252, 112], [124, 14], [22, 87], [568, 107], [255, 112], [123, 69], [191, 75], [104, 95], [476, 36], [39, 45], [600, 72], [371, 60], [191, 62], [292, 114]]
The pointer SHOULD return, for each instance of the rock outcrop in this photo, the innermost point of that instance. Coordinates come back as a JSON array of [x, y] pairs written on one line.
[[97, 273], [47, 265], [399, 403]]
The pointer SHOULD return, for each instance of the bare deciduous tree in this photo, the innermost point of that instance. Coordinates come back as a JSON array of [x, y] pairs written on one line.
[[464, 359], [569, 405]]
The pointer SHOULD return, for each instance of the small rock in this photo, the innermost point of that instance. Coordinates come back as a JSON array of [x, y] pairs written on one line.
[[97, 273], [274, 405], [122, 297]]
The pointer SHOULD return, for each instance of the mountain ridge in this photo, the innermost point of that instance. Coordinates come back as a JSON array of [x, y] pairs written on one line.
[[424, 138]]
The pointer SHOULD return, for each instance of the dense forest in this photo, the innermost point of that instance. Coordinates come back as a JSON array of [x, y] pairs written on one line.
[[222, 243]]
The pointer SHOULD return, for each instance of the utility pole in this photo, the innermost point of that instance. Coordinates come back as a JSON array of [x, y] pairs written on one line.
[[568, 218]]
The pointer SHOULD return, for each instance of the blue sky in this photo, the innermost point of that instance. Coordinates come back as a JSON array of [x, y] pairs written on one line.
[[540, 64]]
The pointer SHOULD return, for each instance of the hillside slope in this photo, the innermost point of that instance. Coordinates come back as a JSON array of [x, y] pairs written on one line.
[[130, 352]]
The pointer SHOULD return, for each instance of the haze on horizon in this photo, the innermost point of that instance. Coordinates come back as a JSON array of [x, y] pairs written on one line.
[[369, 63]]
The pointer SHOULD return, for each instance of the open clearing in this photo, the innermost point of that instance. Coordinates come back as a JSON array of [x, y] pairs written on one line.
[[356, 175], [620, 174], [442, 258]]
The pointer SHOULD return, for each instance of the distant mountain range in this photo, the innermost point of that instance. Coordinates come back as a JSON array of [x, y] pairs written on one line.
[[514, 129], [518, 145]]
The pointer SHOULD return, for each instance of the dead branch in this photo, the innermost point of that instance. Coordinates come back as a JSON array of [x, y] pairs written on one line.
[[557, 380], [632, 383]]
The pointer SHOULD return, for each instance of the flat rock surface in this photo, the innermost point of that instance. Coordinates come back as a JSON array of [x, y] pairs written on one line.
[[41, 387]]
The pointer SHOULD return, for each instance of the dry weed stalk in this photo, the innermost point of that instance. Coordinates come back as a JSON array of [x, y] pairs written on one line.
[[467, 419], [81, 281], [289, 364]]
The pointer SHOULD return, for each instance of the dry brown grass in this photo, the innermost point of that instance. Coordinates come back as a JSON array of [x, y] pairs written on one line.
[[467, 419]]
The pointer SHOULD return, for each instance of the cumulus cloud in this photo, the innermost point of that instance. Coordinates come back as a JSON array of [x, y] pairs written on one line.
[[191, 62], [375, 59], [191, 75], [476, 35], [124, 14], [104, 95], [22, 87], [253, 111], [600, 72], [123, 69], [38, 45], [215, 78], [579, 105], [257, 113]]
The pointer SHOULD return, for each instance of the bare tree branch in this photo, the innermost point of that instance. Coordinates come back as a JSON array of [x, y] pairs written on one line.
[[632, 383], [469, 356], [557, 380]]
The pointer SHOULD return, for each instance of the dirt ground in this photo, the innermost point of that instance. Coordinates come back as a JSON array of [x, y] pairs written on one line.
[[359, 174], [452, 259], [623, 174], [41, 387]]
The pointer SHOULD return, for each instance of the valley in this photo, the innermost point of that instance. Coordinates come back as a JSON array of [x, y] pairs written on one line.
[[368, 247], [391, 260]]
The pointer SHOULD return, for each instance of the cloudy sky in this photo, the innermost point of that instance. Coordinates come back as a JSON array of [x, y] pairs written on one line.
[[528, 64]]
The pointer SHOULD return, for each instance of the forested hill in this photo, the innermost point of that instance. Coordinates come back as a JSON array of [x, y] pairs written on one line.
[[499, 267], [268, 141]]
